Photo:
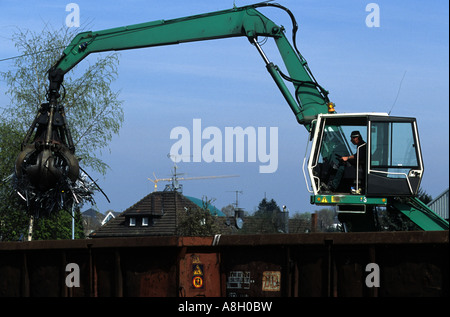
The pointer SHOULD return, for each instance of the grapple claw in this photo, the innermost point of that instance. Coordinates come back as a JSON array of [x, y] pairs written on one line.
[[46, 170]]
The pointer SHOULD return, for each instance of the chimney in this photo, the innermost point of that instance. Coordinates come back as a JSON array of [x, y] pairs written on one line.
[[239, 213], [239, 217], [313, 222]]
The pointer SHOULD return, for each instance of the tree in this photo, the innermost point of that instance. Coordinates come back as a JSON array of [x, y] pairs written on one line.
[[267, 208], [197, 221], [268, 213], [301, 223], [228, 210], [325, 219], [423, 196], [94, 111], [13, 218], [58, 226]]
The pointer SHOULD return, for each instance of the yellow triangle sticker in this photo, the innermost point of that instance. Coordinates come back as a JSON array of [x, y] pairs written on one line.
[[324, 200], [197, 270]]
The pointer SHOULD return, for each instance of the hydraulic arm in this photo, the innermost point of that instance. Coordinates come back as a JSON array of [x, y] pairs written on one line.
[[310, 98]]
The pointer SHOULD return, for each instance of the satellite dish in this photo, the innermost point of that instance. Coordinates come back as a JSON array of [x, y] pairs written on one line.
[[239, 223]]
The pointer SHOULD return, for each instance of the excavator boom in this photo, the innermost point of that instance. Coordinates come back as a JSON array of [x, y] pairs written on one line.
[[246, 21]]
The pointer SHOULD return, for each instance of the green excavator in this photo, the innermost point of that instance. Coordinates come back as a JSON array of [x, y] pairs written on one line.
[[385, 171]]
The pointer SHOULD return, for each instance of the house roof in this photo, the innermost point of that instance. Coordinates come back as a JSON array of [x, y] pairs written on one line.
[[440, 204], [260, 225], [92, 220], [160, 212], [159, 209], [110, 214]]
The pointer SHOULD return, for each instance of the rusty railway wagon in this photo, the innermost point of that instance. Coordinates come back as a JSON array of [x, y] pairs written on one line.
[[385, 264]]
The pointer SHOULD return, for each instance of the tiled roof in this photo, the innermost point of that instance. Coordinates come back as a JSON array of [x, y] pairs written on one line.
[[92, 220], [160, 210]]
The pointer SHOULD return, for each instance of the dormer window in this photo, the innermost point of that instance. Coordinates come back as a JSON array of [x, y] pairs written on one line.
[[132, 221], [144, 221]]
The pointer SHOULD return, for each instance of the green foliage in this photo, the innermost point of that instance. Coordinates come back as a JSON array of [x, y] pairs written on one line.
[[13, 218], [423, 196], [267, 208], [268, 219], [305, 216], [228, 210], [197, 221], [325, 220], [58, 226]]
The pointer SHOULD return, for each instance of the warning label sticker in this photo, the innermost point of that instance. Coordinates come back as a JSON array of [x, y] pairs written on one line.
[[197, 269], [197, 282], [271, 281]]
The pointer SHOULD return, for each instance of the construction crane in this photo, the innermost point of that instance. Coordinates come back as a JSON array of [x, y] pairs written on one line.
[[175, 185], [156, 180]]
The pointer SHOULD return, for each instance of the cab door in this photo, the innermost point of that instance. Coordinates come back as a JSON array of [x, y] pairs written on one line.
[[395, 160]]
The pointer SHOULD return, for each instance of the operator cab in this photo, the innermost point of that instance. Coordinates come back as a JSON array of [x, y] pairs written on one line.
[[388, 161]]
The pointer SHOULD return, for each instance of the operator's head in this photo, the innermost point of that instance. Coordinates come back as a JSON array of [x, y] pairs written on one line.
[[356, 137]]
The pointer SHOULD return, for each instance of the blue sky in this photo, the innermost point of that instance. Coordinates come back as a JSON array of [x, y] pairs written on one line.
[[225, 84]]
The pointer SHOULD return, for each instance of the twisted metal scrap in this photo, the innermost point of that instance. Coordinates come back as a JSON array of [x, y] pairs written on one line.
[[63, 196]]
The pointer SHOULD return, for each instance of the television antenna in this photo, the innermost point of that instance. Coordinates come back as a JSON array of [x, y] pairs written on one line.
[[237, 196]]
